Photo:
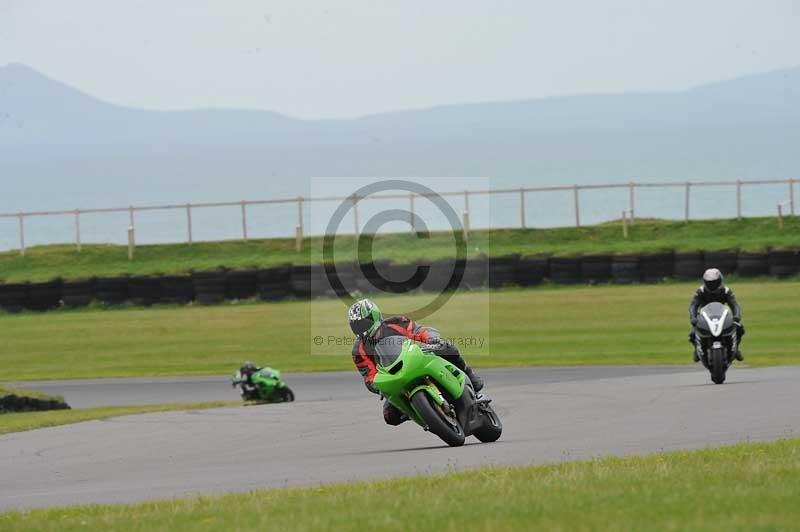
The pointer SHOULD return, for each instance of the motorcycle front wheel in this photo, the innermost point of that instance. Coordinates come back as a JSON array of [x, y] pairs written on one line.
[[438, 420], [288, 394], [718, 364], [492, 427]]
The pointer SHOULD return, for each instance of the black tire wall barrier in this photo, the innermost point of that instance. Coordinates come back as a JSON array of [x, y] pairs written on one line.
[[273, 283], [44, 296], [145, 291], [76, 294], [403, 278], [209, 287], [752, 264], [177, 289], [690, 266], [565, 270], [436, 275], [532, 270], [626, 269], [380, 276], [13, 297], [726, 260], [476, 272], [241, 284], [502, 271], [304, 281], [112, 290], [782, 263], [596, 268], [657, 267], [309, 281]]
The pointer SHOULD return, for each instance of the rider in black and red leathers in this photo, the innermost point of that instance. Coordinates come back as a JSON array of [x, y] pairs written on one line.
[[369, 327]]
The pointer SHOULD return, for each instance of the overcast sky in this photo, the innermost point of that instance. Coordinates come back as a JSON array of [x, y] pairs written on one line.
[[356, 57]]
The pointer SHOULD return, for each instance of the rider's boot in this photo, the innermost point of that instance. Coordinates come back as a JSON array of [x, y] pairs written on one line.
[[393, 415], [694, 347], [739, 355], [477, 382], [450, 353]]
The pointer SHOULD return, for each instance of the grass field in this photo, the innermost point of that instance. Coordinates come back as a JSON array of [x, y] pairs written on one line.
[[540, 326], [36, 420], [743, 487], [47, 262]]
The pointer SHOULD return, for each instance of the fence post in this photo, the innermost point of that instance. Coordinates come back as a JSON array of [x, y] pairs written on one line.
[[78, 229], [189, 221], [130, 215], [131, 242], [686, 202], [465, 216], [21, 234], [411, 210], [780, 217], [522, 207], [624, 224], [631, 200], [738, 199], [298, 230], [244, 221], [577, 206], [355, 215], [791, 196]]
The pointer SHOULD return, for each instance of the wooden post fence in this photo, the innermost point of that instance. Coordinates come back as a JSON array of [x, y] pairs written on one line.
[[78, 229], [244, 221], [189, 222], [22, 234], [788, 207]]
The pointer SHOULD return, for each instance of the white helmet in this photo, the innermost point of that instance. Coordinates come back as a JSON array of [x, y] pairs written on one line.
[[712, 279]]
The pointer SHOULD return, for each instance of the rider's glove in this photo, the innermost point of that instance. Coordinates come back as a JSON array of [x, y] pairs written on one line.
[[694, 321], [442, 342], [740, 326]]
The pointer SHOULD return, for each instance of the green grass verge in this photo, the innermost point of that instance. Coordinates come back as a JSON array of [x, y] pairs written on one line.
[[47, 262], [22, 392], [742, 487], [644, 324], [21, 421]]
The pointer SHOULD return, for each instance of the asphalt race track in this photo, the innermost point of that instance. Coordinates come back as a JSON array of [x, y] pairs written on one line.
[[308, 386], [334, 432]]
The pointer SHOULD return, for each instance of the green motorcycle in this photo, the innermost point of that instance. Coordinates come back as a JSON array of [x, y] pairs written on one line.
[[265, 386], [435, 394]]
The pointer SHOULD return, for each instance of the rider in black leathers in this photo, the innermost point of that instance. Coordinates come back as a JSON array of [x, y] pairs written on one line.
[[714, 291]]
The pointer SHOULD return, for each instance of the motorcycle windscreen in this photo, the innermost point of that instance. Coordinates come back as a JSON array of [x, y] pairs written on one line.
[[713, 310], [714, 318], [388, 350]]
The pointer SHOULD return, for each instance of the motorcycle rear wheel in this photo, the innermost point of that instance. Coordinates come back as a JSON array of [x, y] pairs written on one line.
[[449, 430]]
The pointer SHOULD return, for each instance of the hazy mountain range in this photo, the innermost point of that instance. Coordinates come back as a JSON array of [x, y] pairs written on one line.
[[60, 147]]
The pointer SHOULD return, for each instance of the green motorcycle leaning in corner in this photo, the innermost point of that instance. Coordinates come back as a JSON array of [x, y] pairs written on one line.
[[422, 383], [261, 384]]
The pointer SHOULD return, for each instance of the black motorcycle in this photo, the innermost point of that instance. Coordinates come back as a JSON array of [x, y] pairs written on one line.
[[716, 339]]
